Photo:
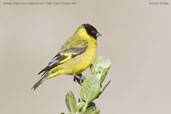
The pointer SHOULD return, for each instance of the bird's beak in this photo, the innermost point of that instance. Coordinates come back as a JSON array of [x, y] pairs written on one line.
[[98, 34]]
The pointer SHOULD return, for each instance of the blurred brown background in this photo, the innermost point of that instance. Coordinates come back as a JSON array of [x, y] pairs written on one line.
[[136, 38]]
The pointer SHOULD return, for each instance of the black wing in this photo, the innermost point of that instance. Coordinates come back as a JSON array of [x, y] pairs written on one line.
[[59, 59], [63, 57], [54, 62]]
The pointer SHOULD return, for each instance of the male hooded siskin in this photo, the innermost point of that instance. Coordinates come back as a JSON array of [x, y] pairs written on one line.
[[75, 55]]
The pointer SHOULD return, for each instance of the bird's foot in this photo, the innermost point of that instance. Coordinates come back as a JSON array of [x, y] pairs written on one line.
[[79, 78]]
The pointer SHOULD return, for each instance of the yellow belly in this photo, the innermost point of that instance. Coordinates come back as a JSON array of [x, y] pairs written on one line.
[[81, 62], [77, 64]]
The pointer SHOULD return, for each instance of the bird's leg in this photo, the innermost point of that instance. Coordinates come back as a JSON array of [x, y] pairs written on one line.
[[79, 78]]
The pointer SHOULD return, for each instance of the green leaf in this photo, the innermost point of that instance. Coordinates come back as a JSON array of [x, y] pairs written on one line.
[[100, 68], [90, 89], [71, 102], [71, 113], [92, 110]]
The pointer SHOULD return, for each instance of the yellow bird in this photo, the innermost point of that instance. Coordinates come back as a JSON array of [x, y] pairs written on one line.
[[75, 55]]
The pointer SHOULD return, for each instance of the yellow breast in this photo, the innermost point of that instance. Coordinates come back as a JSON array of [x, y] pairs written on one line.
[[81, 62]]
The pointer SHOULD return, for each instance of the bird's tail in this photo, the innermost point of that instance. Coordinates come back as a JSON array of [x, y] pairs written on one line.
[[44, 77]]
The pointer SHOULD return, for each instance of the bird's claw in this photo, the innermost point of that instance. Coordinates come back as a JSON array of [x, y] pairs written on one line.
[[79, 78]]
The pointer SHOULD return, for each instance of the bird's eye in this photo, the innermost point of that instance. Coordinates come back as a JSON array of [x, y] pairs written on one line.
[[93, 32]]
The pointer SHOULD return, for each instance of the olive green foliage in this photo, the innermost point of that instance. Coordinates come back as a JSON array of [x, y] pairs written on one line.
[[90, 90]]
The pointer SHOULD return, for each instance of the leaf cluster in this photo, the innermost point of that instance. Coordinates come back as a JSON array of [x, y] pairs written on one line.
[[90, 90]]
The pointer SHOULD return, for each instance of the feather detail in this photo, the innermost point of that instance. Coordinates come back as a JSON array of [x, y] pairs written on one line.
[[40, 81]]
